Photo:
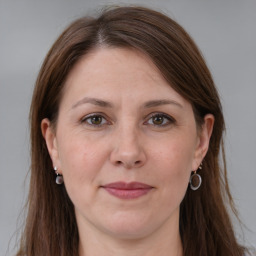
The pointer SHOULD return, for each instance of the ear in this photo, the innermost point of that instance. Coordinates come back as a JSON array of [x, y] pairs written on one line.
[[204, 136], [51, 141]]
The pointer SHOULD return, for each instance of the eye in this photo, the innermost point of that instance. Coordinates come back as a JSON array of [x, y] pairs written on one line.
[[160, 119], [95, 120]]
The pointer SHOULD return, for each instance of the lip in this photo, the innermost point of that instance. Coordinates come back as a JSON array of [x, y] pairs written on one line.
[[125, 190]]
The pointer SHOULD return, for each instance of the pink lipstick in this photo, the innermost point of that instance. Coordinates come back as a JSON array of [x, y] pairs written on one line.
[[125, 190]]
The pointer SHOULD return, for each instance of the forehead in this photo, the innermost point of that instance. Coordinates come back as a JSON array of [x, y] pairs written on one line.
[[108, 71], [109, 61]]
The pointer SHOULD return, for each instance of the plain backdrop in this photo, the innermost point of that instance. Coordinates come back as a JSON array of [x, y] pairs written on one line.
[[225, 31]]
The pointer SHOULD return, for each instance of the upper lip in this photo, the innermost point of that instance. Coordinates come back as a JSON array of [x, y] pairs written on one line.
[[127, 186]]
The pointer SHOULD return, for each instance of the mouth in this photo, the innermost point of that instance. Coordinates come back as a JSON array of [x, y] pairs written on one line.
[[125, 190]]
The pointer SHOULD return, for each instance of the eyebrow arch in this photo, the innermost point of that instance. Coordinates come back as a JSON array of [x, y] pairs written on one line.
[[93, 101], [156, 103]]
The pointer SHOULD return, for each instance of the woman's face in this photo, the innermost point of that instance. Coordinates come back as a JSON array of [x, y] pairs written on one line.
[[125, 143]]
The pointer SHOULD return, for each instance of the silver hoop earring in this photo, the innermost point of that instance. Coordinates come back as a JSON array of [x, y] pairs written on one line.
[[59, 177], [195, 181]]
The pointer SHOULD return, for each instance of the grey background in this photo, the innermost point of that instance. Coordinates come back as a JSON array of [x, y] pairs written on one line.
[[225, 31]]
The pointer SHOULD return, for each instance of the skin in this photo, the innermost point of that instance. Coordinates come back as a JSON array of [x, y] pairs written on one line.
[[146, 132]]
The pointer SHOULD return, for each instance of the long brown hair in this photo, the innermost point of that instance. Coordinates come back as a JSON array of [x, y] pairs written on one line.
[[205, 225]]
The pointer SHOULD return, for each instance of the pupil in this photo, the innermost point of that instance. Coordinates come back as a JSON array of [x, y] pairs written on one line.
[[96, 120], [158, 120]]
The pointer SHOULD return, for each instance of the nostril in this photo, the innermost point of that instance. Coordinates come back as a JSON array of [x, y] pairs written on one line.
[[136, 163]]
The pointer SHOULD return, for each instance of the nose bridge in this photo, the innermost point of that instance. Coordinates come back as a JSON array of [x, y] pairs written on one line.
[[128, 134], [128, 149]]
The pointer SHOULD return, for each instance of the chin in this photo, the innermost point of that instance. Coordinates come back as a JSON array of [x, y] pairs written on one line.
[[129, 227]]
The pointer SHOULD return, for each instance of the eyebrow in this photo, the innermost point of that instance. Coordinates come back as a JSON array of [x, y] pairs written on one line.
[[93, 101], [156, 103], [148, 104]]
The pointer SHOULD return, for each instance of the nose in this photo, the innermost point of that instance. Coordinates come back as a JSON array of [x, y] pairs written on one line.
[[128, 150]]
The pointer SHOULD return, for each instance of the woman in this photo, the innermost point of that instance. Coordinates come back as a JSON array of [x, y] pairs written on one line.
[[126, 133]]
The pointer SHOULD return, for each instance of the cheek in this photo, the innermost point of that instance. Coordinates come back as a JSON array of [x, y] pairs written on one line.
[[175, 154], [78, 153], [81, 162], [174, 162]]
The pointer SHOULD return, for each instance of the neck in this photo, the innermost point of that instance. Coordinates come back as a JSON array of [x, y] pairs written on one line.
[[131, 248], [162, 243]]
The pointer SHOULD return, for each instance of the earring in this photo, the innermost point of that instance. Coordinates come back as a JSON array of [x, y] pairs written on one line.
[[195, 179], [59, 177]]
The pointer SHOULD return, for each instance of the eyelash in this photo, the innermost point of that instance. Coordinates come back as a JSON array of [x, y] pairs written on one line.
[[95, 115], [167, 120]]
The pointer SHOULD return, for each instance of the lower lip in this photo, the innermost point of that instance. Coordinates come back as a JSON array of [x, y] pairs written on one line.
[[127, 193]]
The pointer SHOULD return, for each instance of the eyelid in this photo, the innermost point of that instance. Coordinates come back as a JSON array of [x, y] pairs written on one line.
[[84, 118], [171, 120]]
